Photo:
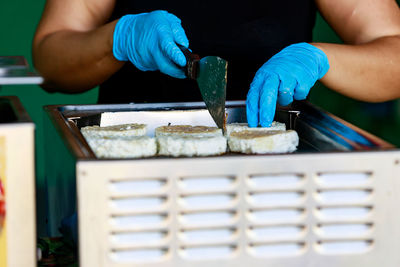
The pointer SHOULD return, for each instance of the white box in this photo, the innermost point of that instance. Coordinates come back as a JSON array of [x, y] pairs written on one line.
[[18, 236]]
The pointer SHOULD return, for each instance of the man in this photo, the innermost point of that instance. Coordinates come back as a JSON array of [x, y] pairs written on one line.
[[130, 47]]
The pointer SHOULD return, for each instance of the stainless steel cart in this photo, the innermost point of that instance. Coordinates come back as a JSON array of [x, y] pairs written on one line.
[[332, 203]]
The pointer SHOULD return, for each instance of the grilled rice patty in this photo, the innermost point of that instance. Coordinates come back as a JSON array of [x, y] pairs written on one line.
[[237, 127], [190, 146], [132, 129], [189, 141], [263, 142], [123, 146], [187, 130]]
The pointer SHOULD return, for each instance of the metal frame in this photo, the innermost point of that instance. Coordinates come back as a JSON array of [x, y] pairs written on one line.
[[332, 205], [15, 70]]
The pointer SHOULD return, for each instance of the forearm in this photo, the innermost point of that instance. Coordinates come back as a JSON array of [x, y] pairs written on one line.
[[368, 72], [73, 61]]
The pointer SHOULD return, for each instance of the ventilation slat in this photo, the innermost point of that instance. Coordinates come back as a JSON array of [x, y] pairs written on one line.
[[131, 239], [217, 201], [138, 204], [276, 199], [336, 197], [207, 184], [201, 236], [139, 222], [344, 247], [277, 233], [277, 249], [139, 255], [275, 216], [208, 219], [137, 187], [350, 179], [345, 213], [275, 181], [207, 252], [344, 230]]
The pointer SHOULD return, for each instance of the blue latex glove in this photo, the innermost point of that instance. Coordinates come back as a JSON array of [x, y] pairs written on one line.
[[288, 75], [149, 41]]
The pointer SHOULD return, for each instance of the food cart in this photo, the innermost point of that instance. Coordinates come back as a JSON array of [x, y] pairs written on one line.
[[331, 203]]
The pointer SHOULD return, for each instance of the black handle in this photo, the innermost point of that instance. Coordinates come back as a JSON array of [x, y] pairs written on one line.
[[192, 62]]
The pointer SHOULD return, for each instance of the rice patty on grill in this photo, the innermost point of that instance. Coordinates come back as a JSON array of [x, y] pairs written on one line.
[[132, 129], [123, 146], [263, 142], [186, 140], [187, 130], [120, 141], [237, 127]]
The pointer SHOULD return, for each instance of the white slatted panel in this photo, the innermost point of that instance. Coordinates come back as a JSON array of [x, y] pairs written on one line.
[[209, 217], [345, 205], [140, 220], [276, 215]]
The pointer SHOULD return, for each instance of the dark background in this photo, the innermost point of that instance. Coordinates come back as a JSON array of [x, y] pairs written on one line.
[[19, 18]]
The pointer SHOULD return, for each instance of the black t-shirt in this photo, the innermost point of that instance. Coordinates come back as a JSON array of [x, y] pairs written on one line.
[[245, 33]]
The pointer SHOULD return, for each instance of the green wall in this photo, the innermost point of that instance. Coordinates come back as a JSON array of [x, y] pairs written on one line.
[[18, 20]]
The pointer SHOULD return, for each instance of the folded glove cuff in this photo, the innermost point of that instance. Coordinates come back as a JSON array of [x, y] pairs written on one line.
[[120, 36]]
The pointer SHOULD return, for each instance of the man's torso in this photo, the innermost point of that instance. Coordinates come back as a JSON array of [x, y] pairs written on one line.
[[246, 34]]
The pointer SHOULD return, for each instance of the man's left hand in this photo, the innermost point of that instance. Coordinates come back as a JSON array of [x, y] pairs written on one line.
[[286, 76]]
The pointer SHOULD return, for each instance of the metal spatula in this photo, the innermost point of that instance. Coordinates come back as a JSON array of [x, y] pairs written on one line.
[[210, 74]]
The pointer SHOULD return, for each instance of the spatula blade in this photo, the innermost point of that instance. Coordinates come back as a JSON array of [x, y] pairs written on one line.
[[212, 75]]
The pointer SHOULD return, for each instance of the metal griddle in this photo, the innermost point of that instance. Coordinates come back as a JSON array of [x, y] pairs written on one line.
[[318, 130]]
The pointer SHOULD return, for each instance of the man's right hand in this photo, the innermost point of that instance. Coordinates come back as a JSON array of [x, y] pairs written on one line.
[[149, 41]]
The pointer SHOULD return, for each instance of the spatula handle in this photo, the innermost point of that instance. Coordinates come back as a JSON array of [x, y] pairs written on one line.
[[192, 61]]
